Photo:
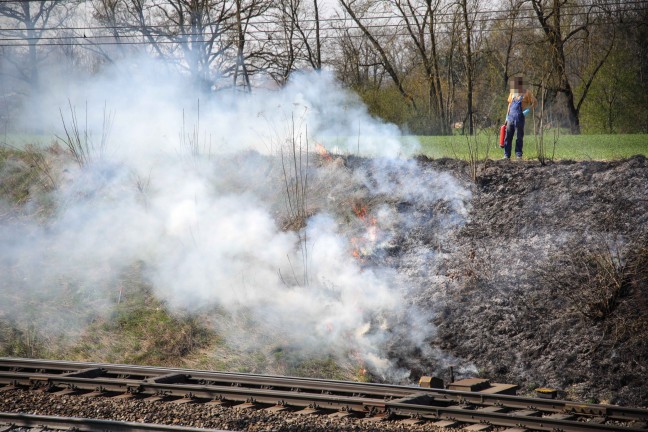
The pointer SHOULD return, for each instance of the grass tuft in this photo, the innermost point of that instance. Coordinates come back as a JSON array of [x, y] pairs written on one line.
[[568, 147]]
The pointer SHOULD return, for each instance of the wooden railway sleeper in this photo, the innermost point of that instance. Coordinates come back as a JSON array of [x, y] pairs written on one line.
[[389, 414], [71, 386], [50, 387], [37, 382], [134, 389]]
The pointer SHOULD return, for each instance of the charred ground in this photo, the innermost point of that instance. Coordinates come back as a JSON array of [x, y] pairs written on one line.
[[546, 283]]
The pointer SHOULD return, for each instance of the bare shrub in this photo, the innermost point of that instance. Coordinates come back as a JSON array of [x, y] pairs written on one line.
[[594, 280], [478, 152], [78, 141], [39, 161], [294, 166], [190, 140], [18, 342]]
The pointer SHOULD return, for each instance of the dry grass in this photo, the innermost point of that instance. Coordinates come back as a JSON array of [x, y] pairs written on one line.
[[594, 280]]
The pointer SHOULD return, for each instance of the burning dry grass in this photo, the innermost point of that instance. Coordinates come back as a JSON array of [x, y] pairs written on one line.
[[144, 329]]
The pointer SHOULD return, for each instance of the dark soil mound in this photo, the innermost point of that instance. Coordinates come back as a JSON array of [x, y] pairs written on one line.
[[546, 284]]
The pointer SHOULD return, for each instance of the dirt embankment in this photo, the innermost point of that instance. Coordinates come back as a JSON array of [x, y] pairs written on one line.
[[547, 283]]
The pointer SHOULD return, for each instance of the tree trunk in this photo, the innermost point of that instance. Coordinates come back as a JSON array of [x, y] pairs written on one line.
[[240, 59], [469, 66], [318, 43], [435, 79]]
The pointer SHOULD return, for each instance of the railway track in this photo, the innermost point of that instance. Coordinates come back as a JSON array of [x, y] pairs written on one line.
[[19, 421], [369, 402]]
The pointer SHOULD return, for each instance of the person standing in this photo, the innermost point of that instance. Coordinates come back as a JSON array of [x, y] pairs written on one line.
[[519, 99]]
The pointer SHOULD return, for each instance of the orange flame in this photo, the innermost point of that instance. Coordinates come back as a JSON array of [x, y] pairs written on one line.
[[362, 245], [321, 150], [360, 211]]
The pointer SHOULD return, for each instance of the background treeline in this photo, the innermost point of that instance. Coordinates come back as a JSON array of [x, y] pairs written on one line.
[[431, 66]]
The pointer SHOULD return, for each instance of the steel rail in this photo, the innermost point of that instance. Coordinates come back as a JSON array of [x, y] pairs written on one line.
[[310, 392], [89, 425], [504, 419], [191, 391], [373, 390]]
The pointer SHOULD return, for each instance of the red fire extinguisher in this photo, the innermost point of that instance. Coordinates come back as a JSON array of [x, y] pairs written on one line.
[[502, 135]]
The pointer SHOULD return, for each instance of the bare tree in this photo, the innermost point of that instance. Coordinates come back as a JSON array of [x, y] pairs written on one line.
[[355, 8], [29, 20], [503, 41], [283, 54], [467, 20], [240, 48], [356, 61], [559, 33], [110, 15], [299, 42], [317, 52], [420, 20], [196, 29]]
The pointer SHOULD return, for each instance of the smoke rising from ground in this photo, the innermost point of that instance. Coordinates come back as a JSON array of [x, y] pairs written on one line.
[[195, 187]]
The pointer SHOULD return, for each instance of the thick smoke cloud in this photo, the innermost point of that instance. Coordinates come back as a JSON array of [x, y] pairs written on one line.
[[195, 188]]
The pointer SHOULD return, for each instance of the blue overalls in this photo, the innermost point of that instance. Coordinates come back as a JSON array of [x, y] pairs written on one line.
[[515, 121]]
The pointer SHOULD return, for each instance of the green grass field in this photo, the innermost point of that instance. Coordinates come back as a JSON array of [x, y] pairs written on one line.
[[569, 147], [565, 146], [20, 141]]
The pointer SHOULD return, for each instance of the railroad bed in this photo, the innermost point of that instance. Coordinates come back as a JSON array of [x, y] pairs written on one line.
[[145, 398]]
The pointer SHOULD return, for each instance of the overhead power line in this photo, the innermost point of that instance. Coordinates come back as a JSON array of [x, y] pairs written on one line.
[[79, 39], [390, 16], [259, 33]]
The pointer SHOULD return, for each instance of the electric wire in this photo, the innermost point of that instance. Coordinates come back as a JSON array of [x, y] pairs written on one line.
[[266, 34], [384, 16]]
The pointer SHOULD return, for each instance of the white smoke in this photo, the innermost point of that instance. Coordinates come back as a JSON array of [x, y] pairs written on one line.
[[193, 186]]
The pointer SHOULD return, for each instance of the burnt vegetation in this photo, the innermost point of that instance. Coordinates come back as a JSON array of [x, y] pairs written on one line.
[[550, 279]]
